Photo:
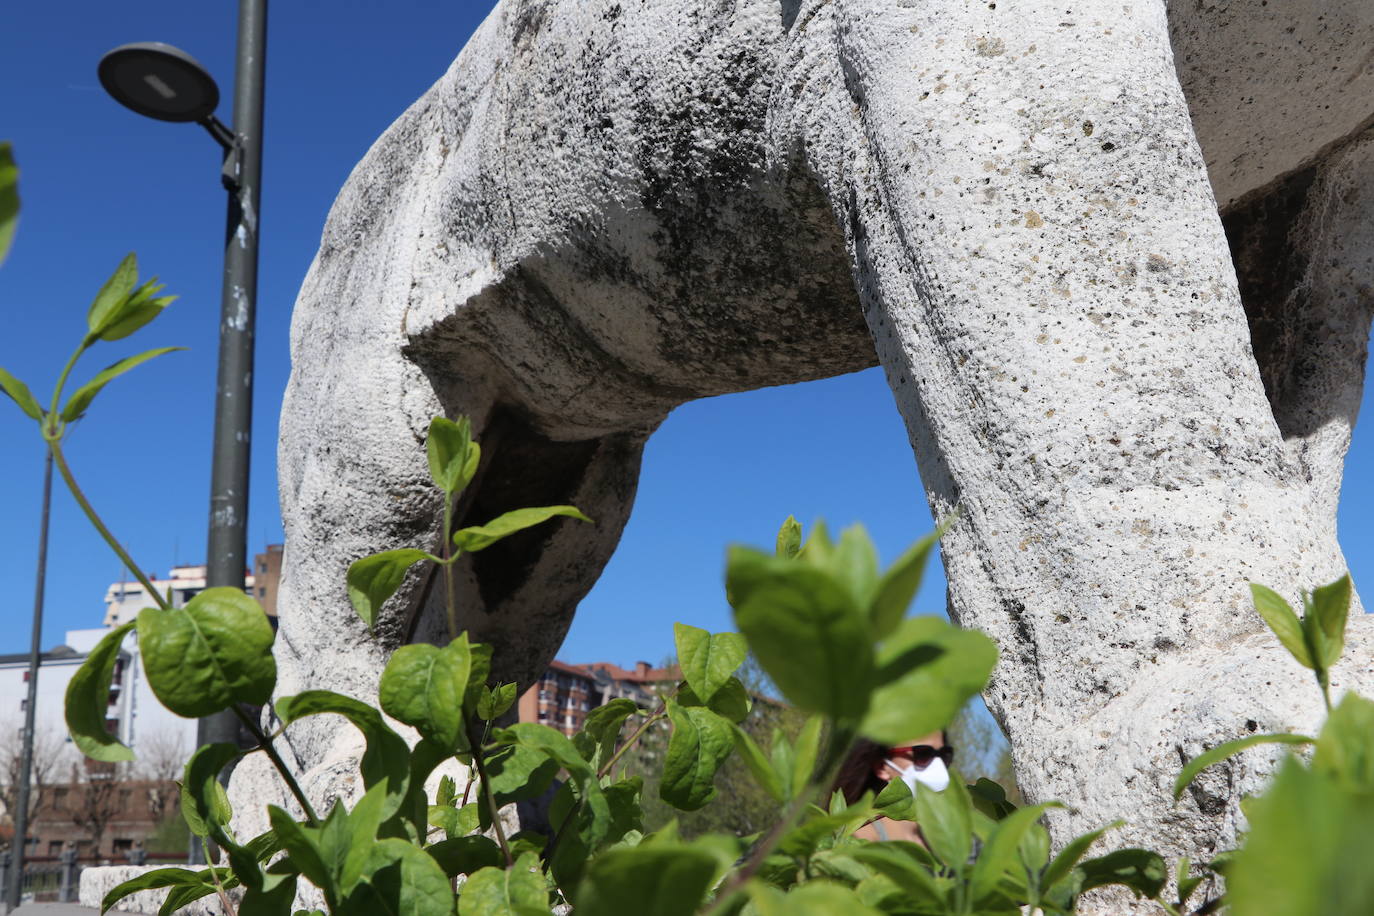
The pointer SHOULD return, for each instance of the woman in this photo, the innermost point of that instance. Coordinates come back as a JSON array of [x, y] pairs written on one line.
[[870, 767]]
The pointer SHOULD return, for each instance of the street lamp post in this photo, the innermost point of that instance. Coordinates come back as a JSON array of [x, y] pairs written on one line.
[[20, 815], [163, 82]]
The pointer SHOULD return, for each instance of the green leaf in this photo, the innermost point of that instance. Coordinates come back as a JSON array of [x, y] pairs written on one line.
[[424, 686], [805, 751], [1345, 747], [152, 880], [479, 537], [946, 820], [731, 700], [700, 742], [374, 579], [1283, 621], [517, 773], [203, 800], [579, 831], [999, 853], [816, 898], [782, 757], [895, 801], [660, 879], [387, 757], [1072, 852], [399, 879], [494, 702], [9, 198], [448, 446], [596, 741], [209, 655], [1307, 847], [560, 749], [112, 295], [899, 585], [367, 815], [789, 538], [21, 395], [205, 807], [463, 855], [182, 894], [448, 792], [1143, 871], [88, 700], [806, 630], [855, 562], [758, 764], [135, 313], [926, 671], [708, 659], [81, 399], [1229, 749], [909, 867], [990, 798], [517, 891], [1330, 610], [302, 846], [273, 899]]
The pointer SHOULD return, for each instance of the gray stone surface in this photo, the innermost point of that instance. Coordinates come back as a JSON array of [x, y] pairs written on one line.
[[1139, 400]]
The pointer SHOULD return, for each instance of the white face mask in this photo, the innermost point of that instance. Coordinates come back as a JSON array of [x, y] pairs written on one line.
[[934, 776]]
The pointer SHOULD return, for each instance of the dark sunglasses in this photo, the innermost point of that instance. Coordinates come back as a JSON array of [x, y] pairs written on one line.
[[922, 755]]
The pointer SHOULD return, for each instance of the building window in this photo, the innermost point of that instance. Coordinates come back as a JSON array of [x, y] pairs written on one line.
[[262, 591], [59, 799]]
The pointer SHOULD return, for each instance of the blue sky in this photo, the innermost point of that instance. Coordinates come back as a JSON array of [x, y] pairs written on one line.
[[98, 181]]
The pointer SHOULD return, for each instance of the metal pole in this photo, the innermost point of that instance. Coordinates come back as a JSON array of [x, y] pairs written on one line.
[[21, 808], [226, 554]]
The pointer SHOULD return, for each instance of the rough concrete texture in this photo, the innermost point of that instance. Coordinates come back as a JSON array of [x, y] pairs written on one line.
[[1139, 401]]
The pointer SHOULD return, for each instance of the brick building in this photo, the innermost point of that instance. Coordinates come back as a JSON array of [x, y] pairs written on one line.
[[566, 693]]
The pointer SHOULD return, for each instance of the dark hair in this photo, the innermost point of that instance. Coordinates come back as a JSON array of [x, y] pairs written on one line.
[[858, 773]]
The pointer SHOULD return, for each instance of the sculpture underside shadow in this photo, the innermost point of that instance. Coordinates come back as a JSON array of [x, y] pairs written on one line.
[[604, 210]]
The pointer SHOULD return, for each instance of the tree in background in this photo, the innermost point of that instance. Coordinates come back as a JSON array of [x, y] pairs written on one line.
[[49, 747], [981, 750], [96, 798], [161, 757]]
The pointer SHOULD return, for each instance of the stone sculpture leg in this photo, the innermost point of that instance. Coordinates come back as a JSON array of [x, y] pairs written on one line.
[[1049, 286], [604, 210]]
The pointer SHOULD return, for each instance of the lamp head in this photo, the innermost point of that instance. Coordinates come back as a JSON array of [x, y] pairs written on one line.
[[159, 81]]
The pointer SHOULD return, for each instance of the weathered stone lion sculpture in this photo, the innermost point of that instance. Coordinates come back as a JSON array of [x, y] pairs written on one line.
[[1115, 257]]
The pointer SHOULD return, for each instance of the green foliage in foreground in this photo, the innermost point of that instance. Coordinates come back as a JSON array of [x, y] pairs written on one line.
[[829, 629]]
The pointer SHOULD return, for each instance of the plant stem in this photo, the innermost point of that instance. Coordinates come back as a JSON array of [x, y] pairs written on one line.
[[656, 717], [62, 378], [450, 602], [839, 749], [214, 876], [484, 792], [56, 448], [1324, 681], [638, 733], [266, 743]]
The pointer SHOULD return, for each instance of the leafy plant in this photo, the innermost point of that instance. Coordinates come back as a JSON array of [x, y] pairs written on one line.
[[826, 624], [1328, 802]]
